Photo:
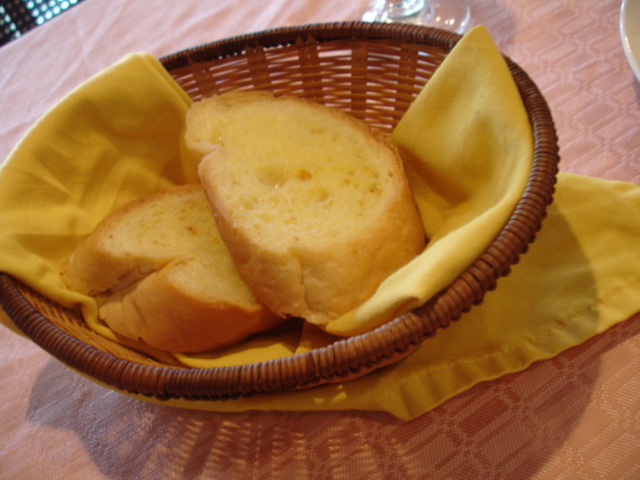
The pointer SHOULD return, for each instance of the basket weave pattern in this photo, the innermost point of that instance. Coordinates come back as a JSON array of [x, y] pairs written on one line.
[[373, 72]]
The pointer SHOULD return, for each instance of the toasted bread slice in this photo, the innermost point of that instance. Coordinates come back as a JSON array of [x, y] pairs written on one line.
[[315, 209], [166, 276]]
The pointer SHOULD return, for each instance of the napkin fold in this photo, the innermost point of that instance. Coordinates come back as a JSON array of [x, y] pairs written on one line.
[[119, 136], [467, 147]]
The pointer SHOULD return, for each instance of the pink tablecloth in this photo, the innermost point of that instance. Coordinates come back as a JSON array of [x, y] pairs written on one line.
[[576, 416]]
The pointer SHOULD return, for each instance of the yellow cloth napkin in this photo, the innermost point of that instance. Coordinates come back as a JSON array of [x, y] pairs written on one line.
[[467, 147], [119, 136]]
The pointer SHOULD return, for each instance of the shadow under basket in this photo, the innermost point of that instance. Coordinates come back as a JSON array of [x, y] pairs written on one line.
[[372, 71]]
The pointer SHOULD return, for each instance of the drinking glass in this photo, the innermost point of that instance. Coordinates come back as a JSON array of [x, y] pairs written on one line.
[[446, 14]]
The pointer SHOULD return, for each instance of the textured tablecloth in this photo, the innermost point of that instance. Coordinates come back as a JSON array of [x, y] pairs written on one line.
[[576, 416]]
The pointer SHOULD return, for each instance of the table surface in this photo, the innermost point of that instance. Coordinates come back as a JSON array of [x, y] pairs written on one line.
[[576, 416]]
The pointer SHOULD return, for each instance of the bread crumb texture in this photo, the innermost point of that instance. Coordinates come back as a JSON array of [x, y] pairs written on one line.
[[307, 199]]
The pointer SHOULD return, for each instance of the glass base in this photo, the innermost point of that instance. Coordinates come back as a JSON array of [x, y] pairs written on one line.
[[450, 15]]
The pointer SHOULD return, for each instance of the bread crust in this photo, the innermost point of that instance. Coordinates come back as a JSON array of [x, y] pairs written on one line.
[[154, 276], [310, 273], [157, 310]]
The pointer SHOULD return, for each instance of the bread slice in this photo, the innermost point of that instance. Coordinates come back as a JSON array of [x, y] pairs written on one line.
[[315, 209], [166, 276]]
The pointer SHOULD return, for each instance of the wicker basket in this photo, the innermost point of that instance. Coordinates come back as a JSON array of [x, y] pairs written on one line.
[[372, 71]]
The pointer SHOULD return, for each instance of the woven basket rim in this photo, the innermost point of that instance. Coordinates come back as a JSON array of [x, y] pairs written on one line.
[[320, 32], [350, 357]]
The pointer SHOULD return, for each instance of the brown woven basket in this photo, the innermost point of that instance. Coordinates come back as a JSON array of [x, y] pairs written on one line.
[[372, 71]]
